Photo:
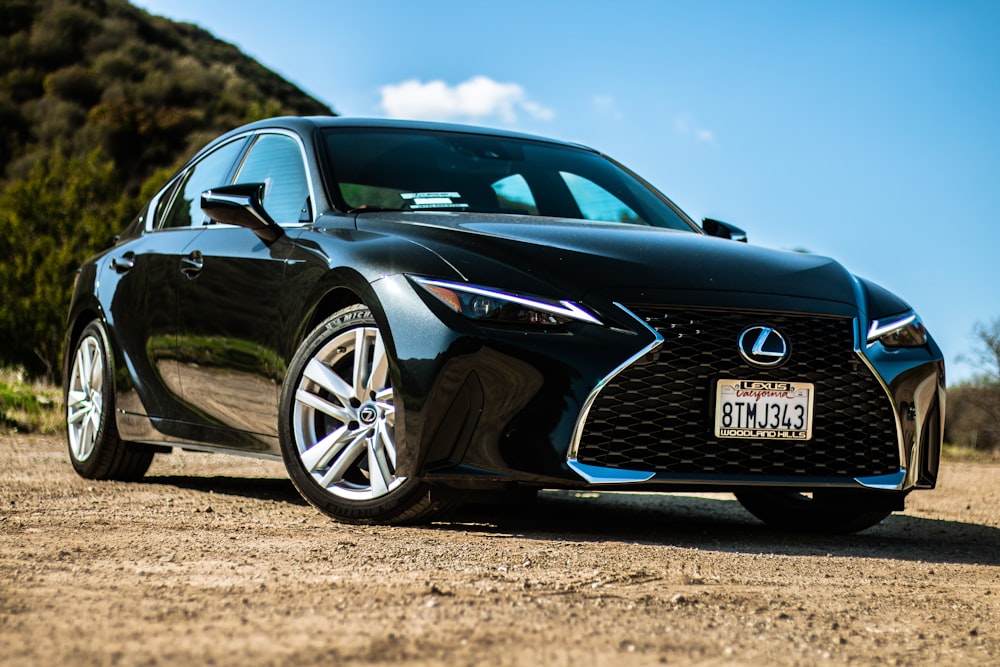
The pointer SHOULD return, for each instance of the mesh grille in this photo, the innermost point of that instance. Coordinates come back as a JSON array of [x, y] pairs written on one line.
[[657, 415]]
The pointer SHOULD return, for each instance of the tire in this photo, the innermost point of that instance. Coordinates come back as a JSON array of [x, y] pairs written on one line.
[[337, 428], [95, 448], [826, 513]]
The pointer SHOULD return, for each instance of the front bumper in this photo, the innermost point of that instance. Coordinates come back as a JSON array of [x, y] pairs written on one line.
[[490, 404]]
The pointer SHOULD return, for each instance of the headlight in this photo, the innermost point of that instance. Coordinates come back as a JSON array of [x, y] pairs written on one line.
[[900, 331], [493, 305]]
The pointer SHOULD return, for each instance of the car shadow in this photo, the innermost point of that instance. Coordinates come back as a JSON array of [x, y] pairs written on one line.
[[709, 522], [262, 488], [717, 522]]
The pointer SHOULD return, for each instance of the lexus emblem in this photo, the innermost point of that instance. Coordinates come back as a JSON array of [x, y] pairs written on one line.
[[763, 346], [368, 414]]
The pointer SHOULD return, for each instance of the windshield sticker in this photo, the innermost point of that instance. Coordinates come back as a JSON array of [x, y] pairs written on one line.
[[420, 200]]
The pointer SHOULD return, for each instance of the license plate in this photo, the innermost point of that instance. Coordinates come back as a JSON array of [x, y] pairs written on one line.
[[763, 410]]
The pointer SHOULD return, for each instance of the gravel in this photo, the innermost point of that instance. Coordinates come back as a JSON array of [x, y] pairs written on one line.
[[216, 560]]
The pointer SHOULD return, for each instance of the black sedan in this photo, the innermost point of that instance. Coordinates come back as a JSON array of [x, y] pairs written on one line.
[[410, 315]]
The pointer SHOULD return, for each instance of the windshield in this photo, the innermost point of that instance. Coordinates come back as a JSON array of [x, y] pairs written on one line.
[[421, 170]]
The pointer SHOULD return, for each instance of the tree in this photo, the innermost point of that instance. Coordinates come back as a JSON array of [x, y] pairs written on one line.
[[99, 101], [973, 417], [986, 354], [64, 211]]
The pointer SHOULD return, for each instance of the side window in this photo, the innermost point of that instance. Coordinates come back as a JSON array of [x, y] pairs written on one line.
[[596, 203], [210, 172], [514, 195], [276, 161], [162, 200]]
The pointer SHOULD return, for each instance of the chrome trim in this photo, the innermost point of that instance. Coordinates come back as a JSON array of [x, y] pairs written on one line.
[[303, 156], [734, 481], [597, 474], [752, 356], [152, 223], [149, 224], [900, 445], [186, 169], [891, 482]]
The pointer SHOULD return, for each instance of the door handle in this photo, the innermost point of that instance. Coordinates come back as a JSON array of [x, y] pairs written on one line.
[[192, 265], [124, 263]]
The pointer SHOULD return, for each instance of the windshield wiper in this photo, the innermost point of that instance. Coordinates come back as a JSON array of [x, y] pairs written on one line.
[[416, 209], [372, 209]]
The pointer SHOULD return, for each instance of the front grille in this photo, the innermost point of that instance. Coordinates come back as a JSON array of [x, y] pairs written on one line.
[[657, 414]]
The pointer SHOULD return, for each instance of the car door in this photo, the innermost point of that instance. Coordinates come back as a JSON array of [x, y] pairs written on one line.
[[147, 274], [230, 306]]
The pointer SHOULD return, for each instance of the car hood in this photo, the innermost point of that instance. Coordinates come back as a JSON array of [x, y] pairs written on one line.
[[579, 258]]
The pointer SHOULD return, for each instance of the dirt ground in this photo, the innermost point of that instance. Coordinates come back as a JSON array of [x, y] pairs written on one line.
[[215, 560]]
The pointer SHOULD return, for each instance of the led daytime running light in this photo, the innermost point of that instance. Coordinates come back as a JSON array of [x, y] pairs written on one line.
[[901, 331], [882, 327], [560, 308]]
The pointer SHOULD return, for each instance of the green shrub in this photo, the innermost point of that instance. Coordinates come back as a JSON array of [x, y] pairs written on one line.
[[74, 84], [97, 100], [28, 407], [43, 246]]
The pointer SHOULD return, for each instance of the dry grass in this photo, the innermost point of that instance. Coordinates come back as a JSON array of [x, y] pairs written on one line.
[[960, 453], [29, 406]]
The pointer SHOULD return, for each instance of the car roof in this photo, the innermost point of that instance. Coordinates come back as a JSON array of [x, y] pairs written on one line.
[[304, 124]]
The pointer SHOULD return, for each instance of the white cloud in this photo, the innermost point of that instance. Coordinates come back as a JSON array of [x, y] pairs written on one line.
[[537, 110], [606, 106], [684, 128], [477, 99]]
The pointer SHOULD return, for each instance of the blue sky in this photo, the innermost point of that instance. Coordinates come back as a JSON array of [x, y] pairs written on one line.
[[868, 131]]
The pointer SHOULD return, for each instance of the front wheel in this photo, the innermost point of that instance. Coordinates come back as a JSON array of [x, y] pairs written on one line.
[[820, 512], [95, 449], [337, 429]]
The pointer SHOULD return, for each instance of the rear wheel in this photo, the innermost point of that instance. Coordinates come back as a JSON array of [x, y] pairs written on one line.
[[819, 512], [95, 449], [338, 435]]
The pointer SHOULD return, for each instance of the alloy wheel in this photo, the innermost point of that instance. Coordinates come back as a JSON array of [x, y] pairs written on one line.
[[85, 398], [343, 418]]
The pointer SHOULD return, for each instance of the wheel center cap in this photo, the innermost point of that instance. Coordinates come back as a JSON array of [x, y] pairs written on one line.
[[368, 414]]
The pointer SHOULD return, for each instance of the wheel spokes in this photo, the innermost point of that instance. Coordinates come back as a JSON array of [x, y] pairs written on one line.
[[361, 369], [81, 376], [320, 454], [85, 400], [344, 461], [380, 473], [78, 407], [388, 445], [378, 376], [315, 402], [96, 372], [345, 418], [324, 376]]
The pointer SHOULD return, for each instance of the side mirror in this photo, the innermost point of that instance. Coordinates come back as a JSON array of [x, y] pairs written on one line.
[[723, 230], [241, 205]]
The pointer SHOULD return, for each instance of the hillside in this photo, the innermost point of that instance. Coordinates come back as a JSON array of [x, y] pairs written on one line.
[[82, 74], [99, 102]]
